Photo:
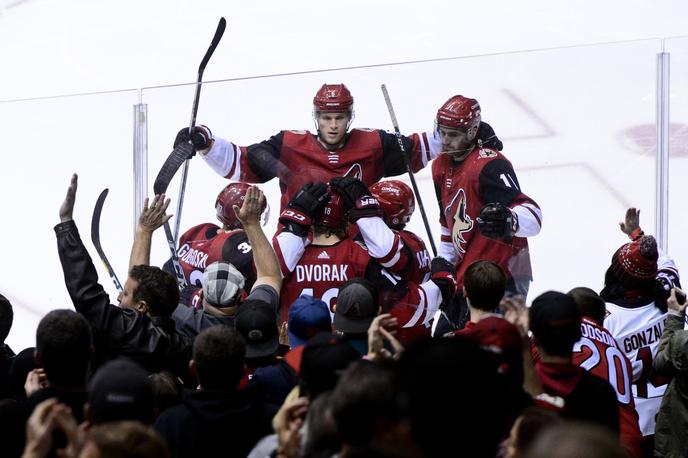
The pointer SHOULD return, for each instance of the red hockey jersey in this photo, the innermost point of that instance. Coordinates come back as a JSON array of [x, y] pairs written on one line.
[[297, 157], [202, 245], [598, 352], [318, 271], [462, 189]]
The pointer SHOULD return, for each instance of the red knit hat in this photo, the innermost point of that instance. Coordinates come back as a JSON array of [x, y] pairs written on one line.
[[637, 259]]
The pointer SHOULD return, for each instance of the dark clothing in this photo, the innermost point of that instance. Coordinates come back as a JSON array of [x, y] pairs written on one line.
[[152, 342], [212, 423], [273, 384], [190, 322], [586, 396], [14, 415], [6, 358]]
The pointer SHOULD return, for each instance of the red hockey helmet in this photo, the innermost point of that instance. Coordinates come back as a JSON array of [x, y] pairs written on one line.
[[396, 200], [333, 98], [233, 194], [334, 214], [459, 112]]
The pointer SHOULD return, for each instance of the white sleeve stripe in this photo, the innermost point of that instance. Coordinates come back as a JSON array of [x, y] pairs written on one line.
[[423, 149], [434, 144], [528, 221], [221, 157], [394, 260], [419, 310], [292, 248], [445, 231]]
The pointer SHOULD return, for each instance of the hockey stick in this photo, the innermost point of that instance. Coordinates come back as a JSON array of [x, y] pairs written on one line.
[[388, 101], [181, 155], [194, 110], [95, 238]]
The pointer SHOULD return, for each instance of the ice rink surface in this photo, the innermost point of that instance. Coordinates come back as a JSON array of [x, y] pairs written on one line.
[[578, 122]]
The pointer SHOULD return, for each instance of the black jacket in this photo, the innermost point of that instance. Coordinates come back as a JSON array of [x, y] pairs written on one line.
[[152, 342], [213, 423]]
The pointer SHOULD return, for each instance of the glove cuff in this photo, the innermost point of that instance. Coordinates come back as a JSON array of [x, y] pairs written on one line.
[[295, 221], [365, 207]]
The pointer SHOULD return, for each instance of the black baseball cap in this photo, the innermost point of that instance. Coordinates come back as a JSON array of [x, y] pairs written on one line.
[[555, 319], [256, 321], [121, 390]]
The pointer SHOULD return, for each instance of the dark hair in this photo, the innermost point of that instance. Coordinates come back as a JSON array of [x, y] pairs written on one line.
[[6, 318], [485, 284], [219, 354], [573, 439], [63, 339], [589, 303], [167, 390], [341, 232], [363, 396], [158, 288], [534, 421], [130, 439]]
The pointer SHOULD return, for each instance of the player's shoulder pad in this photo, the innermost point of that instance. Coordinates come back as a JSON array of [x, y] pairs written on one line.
[[365, 129], [487, 153], [298, 132]]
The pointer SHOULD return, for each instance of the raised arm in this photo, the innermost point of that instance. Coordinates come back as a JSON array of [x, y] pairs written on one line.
[[267, 267], [150, 219]]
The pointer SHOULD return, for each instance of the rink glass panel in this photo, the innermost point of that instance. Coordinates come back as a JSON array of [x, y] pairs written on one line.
[[46, 141], [573, 122]]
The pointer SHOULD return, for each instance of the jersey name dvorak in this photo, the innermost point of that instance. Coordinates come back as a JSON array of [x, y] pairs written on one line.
[[322, 272]]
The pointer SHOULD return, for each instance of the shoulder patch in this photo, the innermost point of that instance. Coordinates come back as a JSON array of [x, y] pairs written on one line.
[[298, 132], [486, 153]]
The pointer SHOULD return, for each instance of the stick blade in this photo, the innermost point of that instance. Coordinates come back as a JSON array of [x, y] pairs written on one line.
[[213, 44], [174, 161], [95, 219]]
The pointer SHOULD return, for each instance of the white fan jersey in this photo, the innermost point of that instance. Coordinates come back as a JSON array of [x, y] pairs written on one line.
[[637, 332]]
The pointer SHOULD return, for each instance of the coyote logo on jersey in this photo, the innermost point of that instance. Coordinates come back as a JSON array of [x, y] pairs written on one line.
[[462, 222], [355, 171]]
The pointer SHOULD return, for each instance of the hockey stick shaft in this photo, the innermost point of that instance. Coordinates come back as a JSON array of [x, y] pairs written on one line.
[[194, 111], [178, 272], [95, 238], [390, 108]]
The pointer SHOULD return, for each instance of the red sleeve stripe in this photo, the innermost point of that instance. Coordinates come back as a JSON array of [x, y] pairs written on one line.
[[446, 238], [537, 217], [394, 252]]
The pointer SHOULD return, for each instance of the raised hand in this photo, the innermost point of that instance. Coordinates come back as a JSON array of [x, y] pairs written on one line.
[[67, 208], [252, 208], [631, 222], [154, 216]]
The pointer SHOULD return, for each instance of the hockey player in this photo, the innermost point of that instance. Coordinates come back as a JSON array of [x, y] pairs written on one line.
[[397, 250], [636, 287], [598, 353], [299, 157], [483, 213], [206, 243], [319, 267]]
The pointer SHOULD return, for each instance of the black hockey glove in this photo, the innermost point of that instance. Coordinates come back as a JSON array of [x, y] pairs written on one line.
[[496, 221], [350, 189], [488, 138], [304, 207], [443, 274], [200, 137]]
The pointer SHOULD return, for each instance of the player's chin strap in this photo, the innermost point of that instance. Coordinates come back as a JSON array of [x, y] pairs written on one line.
[[464, 152]]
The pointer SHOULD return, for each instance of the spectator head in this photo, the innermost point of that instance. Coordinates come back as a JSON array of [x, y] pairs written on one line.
[[218, 358], [589, 303], [576, 440], [357, 307], [484, 284], [222, 285], [324, 357], [555, 322], [633, 268], [6, 318], [150, 290], [129, 439], [364, 404], [527, 428], [256, 321], [167, 390], [445, 368], [64, 348], [120, 390], [307, 317]]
